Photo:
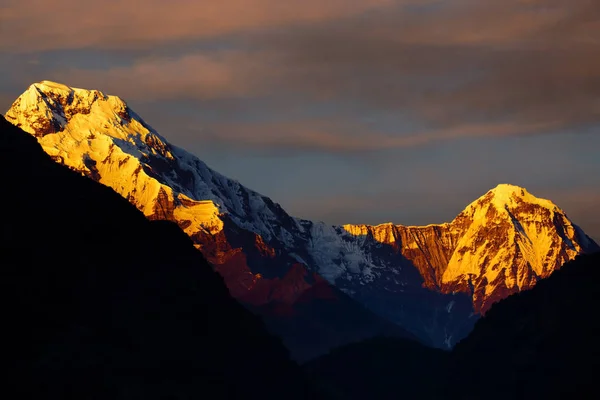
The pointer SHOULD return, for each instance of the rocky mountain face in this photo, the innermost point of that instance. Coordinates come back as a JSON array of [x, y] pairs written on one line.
[[502, 243], [435, 281]]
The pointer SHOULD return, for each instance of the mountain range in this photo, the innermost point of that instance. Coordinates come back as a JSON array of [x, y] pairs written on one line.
[[316, 285]]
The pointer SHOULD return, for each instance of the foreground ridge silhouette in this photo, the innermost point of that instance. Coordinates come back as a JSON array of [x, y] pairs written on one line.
[[102, 303], [537, 344]]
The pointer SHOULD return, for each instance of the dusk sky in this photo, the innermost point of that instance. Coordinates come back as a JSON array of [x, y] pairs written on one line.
[[346, 111]]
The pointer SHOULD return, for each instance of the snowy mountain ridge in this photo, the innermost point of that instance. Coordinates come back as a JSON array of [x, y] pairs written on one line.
[[101, 135], [501, 243]]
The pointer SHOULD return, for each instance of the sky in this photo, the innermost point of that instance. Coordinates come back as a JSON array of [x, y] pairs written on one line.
[[344, 111]]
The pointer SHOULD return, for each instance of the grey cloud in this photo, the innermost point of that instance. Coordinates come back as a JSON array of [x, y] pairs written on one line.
[[487, 64], [459, 69], [41, 25]]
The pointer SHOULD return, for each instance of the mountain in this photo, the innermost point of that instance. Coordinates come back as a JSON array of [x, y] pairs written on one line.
[[502, 243], [435, 280], [383, 368], [239, 231], [102, 303], [536, 344]]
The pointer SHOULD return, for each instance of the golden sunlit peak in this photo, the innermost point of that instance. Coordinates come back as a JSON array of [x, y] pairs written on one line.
[[505, 194], [508, 188], [60, 90], [50, 87], [53, 85]]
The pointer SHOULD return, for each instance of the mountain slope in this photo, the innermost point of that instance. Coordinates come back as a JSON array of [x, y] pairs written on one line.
[[538, 344], [101, 303], [434, 280], [102, 138]]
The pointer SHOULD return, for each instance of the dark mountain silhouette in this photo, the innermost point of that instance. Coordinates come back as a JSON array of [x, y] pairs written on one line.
[[101, 302], [541, 343], [381, 368]]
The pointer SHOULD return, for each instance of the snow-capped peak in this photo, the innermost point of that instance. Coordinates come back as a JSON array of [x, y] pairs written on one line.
[[506, 195], [102, 137], [54, 86], [48, 107], [509, 239], [505, 190], [507, 201]]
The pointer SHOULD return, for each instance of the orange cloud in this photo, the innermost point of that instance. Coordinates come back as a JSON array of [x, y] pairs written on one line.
[[197, 76], [461, 69], [70, 24]]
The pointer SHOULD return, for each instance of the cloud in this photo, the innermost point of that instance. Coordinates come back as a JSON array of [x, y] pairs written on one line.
[[343, 137], [443, 70], [487, 61], [72, 24], [219, 74]]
